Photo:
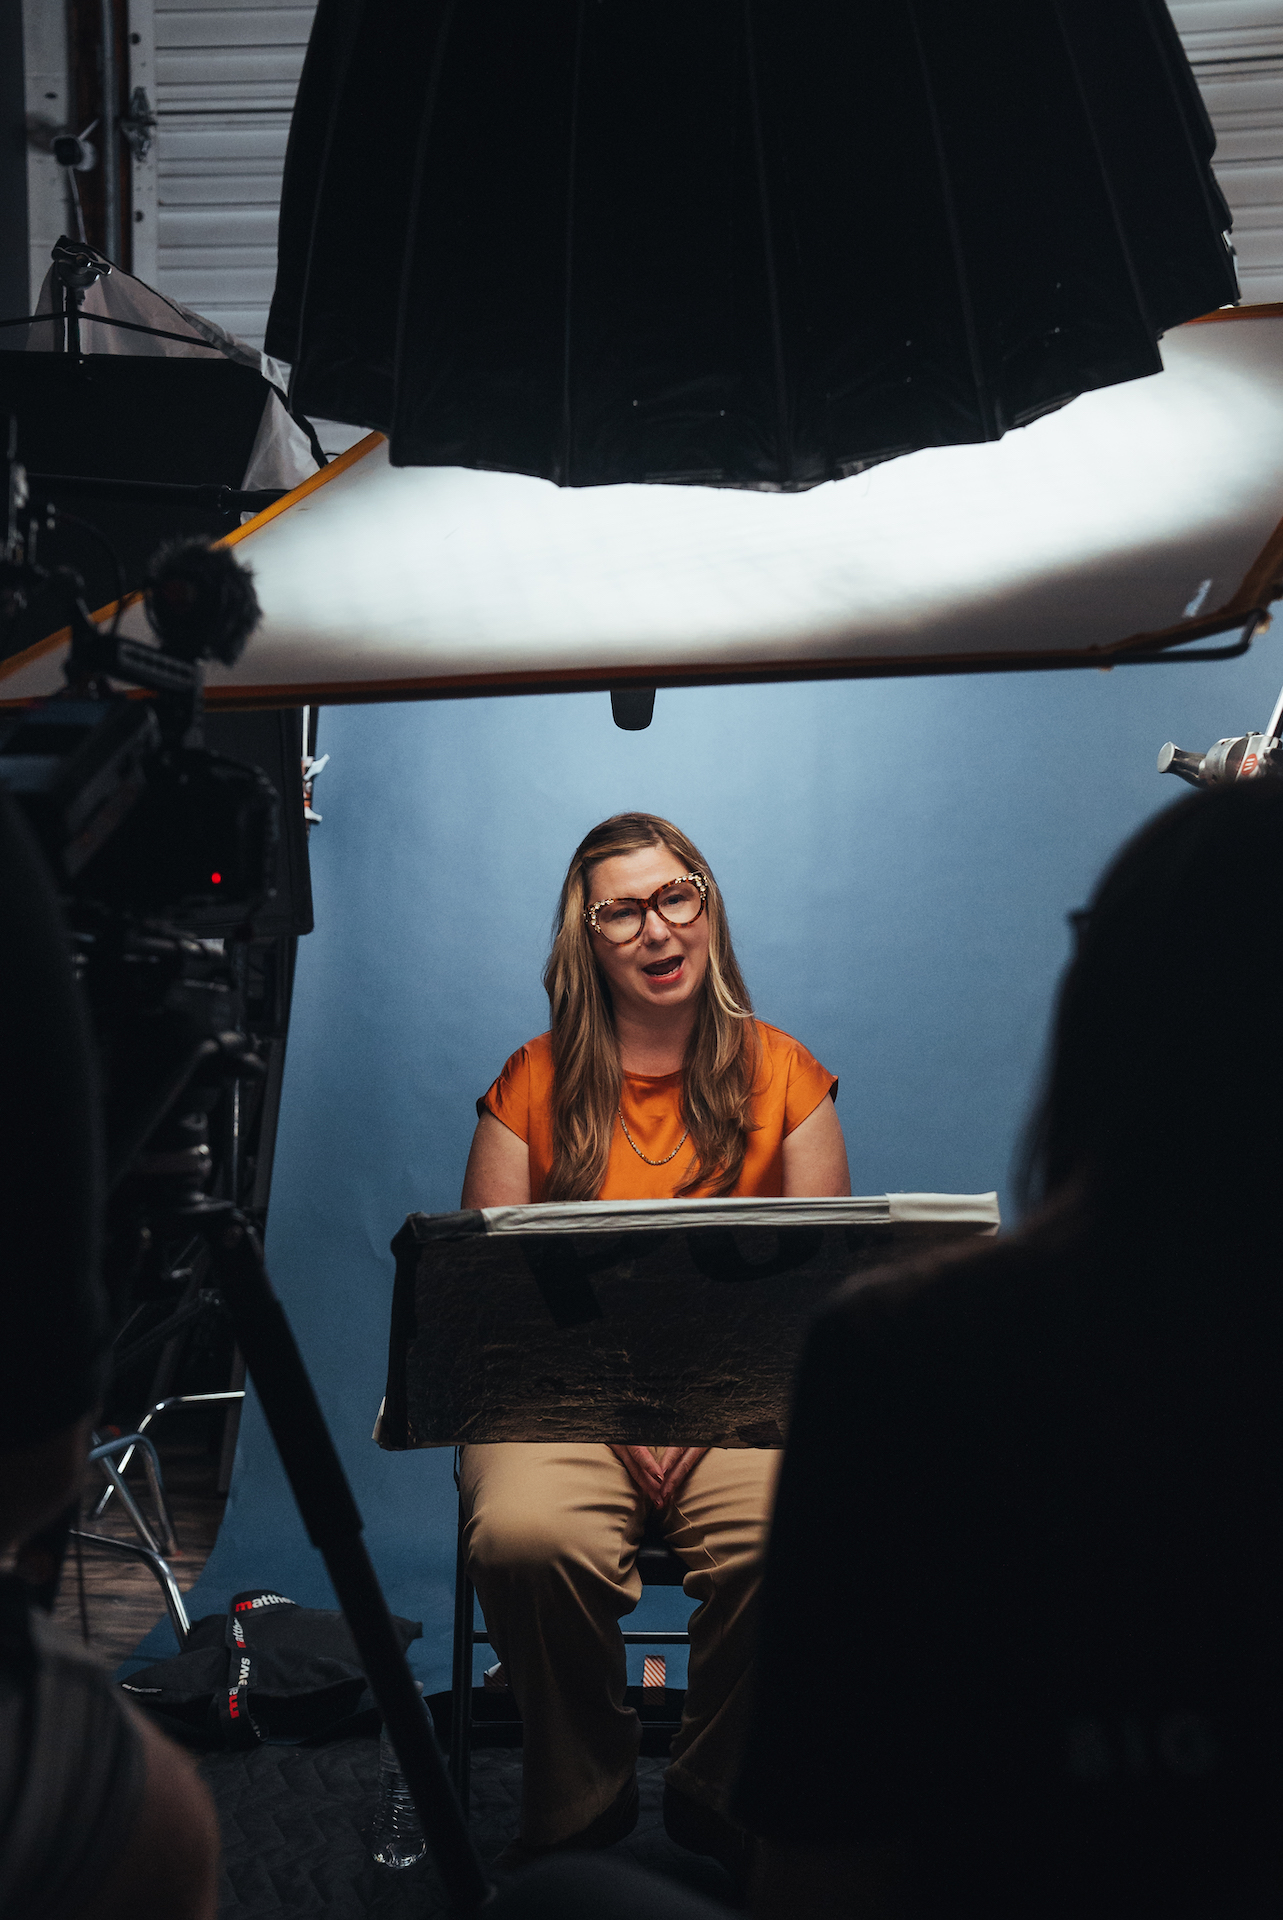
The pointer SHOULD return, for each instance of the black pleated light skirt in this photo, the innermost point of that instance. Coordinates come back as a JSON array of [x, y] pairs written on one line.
[[752, 243]]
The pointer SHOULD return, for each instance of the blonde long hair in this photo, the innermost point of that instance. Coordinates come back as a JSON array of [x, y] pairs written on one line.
[[721, 1055]]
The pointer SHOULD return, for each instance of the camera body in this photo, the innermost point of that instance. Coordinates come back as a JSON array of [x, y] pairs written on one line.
[[132, 823]]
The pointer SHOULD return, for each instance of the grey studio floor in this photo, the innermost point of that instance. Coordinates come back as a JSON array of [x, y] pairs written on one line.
[[295, 1823]]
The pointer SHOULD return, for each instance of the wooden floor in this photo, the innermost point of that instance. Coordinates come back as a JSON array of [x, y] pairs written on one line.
[[122, 1600]]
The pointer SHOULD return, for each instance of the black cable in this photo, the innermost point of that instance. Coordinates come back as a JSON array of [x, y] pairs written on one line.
[[319, 454], [200, 493], [106, 320], [181, 312], [164, 1331], [96, 533]]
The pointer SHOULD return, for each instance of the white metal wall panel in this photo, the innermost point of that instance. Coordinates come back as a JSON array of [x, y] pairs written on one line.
[[1236, 50], [223, 80], [48, 105]]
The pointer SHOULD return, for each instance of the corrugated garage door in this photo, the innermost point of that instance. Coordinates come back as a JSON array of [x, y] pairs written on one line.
[[222, 78], [1236, 50], [221, 81]]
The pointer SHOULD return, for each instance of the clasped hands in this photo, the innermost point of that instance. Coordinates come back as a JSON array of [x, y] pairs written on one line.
[[660, 1480]]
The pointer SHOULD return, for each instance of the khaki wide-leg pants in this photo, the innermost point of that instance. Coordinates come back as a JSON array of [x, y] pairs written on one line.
[[551, 1539]]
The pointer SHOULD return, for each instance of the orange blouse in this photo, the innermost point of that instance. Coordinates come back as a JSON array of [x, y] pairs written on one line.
[[790, 1085]]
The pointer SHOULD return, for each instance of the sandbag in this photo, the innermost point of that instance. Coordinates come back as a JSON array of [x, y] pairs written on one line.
[[267, 1669]]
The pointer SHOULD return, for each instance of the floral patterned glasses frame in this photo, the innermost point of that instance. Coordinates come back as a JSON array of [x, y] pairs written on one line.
[[650, 905]]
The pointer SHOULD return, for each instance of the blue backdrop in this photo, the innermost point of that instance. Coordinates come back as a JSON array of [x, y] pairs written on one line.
[[898, 858]]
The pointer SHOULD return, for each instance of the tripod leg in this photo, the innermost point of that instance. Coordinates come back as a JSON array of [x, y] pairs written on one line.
[[333, 1523], [461, 1704]]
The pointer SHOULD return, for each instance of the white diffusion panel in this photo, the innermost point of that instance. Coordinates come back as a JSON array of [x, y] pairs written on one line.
[[1151, 508]]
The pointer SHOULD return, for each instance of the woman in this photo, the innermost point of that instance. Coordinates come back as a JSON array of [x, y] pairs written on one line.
[[655, 1082]]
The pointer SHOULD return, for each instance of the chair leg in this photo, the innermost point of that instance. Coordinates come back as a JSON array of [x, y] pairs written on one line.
[[461, 1678], [102, 1452], [232, 1396], [168, 1585], [131, 1507]]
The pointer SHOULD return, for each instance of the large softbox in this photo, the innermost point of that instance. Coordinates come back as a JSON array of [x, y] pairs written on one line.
[[750, 243]]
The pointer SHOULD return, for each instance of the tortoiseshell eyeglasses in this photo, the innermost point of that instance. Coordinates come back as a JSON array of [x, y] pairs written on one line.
[[678, 903]]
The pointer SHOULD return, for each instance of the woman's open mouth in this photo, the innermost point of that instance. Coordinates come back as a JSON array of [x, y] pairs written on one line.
[[664, 969]]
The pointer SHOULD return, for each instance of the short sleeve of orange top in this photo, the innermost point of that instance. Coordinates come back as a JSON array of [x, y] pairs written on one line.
[[789, 1087]]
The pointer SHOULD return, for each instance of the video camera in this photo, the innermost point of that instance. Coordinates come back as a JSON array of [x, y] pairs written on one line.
[[148, 834], [134, 813]]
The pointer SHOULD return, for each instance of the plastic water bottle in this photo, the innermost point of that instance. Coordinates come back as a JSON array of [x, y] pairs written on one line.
[[397, 1837]]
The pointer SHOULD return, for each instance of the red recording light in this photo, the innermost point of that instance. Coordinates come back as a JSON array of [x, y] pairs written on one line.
[[216, 879]]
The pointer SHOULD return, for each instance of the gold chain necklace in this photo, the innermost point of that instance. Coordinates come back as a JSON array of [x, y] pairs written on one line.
[[645, 1156]]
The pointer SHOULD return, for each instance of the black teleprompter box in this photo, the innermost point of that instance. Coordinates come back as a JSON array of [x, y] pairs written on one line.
[[662, 1323]]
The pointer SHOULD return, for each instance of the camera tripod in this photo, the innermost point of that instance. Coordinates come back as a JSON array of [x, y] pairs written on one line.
[[159, 1169], [334, 1526]]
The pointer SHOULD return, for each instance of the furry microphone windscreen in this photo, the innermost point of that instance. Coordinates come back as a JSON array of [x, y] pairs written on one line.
[[201, 602]]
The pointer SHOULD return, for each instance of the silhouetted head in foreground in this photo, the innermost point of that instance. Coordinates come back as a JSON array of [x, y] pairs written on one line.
[[54, 1344], [1162, 1095]]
